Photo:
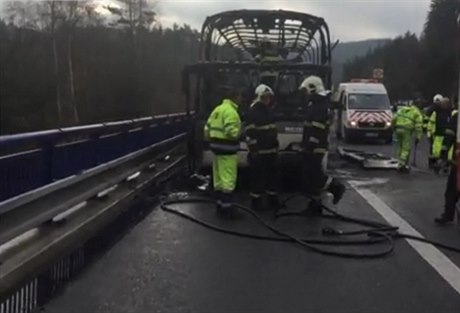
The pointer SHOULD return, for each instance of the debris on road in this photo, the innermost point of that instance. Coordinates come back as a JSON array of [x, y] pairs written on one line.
[[368, 160]]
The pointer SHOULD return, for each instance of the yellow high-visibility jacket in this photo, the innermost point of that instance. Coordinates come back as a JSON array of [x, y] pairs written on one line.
[[409, 118], [223, 128]]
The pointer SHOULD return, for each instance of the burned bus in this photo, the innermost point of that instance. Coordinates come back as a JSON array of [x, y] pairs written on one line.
[[245, 48]]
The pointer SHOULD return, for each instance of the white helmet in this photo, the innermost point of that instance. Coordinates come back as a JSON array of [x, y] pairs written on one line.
[[313, 84], [263, 90], [438, 98]]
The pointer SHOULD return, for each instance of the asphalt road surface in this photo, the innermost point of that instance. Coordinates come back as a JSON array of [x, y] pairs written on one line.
[[167, 264]]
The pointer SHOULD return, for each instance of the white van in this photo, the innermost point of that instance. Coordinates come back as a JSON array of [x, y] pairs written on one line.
[[365, 111]]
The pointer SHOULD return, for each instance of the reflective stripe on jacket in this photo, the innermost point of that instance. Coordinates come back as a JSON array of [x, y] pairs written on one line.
[[316, 126], [261, 131], [450, 138]]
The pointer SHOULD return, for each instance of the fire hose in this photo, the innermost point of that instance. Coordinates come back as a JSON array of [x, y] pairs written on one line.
[[374, 233]]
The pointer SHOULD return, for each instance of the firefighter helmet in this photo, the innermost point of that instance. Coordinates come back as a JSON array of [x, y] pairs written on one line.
[[263, 90], [438, 98], [313, 84]]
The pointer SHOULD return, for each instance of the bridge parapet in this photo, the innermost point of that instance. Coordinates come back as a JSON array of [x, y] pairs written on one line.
[[32, 160]]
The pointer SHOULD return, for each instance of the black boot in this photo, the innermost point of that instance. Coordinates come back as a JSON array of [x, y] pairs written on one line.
[[404, 169], [337, 189], [430, 163], [273, 202], [443, 220], [314, 208], [224, 207], [218, 199], [257, 204]]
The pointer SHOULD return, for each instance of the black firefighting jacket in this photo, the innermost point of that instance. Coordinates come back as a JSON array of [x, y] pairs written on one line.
[[261, 131], [316, 126], [450, 137]]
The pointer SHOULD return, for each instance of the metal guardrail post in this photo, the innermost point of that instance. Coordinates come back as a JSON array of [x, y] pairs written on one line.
[[48, 151], [94, 143]]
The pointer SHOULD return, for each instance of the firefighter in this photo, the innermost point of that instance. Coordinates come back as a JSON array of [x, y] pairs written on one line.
[[262, 141], [223, 130], [315, 145], [268, 52], [451, 194], [437, 165], [439, 120], [406, 123], [427, 111]]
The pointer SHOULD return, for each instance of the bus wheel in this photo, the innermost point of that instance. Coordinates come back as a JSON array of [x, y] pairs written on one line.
[[344, 136], [389, 140], [338, 135]]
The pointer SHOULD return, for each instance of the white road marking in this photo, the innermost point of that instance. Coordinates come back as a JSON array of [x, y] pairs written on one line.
[[369, 182], [438, 260], [421, 170]]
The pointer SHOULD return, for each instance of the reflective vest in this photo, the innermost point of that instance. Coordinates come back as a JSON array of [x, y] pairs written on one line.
[[409, 118], [439, 120], [426, 122], [450, 137], [223, 128]]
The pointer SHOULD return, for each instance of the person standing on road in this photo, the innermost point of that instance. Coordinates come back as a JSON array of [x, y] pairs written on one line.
[[315, 145], [451, 195], [428, 111], [439, 120], [406, 123], [223, 130], [262, 140]]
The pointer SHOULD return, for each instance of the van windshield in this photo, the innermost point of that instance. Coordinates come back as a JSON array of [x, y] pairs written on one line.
[[368, 101]]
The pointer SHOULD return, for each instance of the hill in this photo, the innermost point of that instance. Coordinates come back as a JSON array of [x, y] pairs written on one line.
[[347, 51]]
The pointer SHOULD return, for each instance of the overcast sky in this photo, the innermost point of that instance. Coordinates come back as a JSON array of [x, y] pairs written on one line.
[[349, 20]]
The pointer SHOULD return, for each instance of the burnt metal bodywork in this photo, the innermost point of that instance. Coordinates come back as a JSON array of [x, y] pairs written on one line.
[[369, 160], [245, 48], [305, 36]]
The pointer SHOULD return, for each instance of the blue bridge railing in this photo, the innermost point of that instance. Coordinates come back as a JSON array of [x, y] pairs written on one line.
[[32, 160]]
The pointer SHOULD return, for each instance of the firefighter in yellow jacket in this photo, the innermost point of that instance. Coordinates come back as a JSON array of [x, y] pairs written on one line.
[[223, 130], [407, 123]]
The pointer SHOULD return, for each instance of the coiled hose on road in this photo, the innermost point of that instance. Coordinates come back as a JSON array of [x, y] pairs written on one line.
[[376, 233]]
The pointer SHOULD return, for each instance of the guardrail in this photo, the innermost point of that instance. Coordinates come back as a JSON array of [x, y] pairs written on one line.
[[40, 158], [32, 269]]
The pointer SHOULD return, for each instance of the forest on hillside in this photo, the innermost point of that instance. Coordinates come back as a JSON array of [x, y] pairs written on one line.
[[424, 65], [62, 64], [347, 51]]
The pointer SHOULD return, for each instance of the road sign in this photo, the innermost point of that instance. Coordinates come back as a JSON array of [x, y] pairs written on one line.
[[377, 73]]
